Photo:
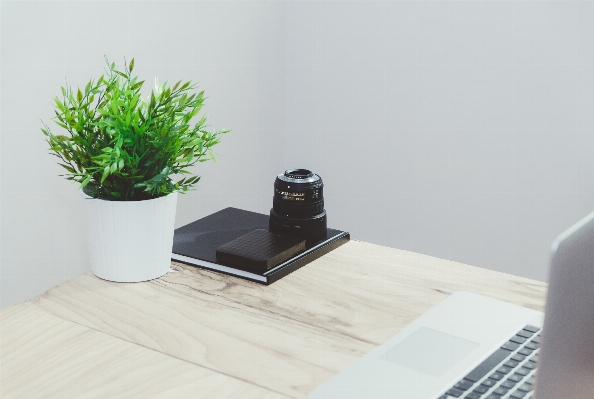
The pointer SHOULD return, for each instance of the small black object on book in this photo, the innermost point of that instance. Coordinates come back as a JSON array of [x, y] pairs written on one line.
[[259, 250]]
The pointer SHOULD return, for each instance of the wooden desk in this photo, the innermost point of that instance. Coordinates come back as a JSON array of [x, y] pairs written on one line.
[[195, 333]]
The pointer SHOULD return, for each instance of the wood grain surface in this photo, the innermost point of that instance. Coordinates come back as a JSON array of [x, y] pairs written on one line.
[[44, 356], [282, 339]]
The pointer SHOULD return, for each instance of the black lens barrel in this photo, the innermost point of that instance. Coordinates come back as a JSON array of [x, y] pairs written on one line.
[[298, 205]]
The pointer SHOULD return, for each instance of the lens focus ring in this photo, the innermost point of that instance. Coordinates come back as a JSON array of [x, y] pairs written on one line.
[[296, 209]]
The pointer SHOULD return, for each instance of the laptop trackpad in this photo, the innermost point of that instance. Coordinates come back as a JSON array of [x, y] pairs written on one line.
[[429, 351]]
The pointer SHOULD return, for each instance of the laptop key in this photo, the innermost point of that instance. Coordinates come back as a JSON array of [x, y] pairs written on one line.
[[525, 351], [463, 385], [489, 383], [487, 365], [455, 392], [496, 376], [511, 363], [523, 371], [504, 369], [509, 384], [525, 387], [531, 345], [531, 328], [518, 394], [516, 377], [500, 391], [518, 340], [518, 357], [481, 389], [529, 365], [525, 333], [530, 380], [510, 346], [473, 395], [493, 396], [536, 340]]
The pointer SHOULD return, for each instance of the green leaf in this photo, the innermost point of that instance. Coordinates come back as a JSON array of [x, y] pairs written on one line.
[[59, 103], [105, 174], [134, 102], [126, 147], [190, 156], [137, 85], [68, 168], [85, 181]]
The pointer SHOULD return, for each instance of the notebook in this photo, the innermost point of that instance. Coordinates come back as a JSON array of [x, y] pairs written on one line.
[[196, 244]]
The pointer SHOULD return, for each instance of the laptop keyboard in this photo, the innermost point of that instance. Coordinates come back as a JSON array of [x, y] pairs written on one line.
[[507, 374]]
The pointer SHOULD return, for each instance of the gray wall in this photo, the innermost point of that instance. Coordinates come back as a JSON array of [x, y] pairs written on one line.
[[468, 123], [461, 130]]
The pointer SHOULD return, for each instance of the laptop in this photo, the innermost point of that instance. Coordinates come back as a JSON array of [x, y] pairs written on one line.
[[474, 347]]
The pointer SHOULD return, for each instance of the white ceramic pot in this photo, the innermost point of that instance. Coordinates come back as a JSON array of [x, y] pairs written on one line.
[[130, 241]]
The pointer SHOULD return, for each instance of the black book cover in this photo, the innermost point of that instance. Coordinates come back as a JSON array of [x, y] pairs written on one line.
[[196, 243]]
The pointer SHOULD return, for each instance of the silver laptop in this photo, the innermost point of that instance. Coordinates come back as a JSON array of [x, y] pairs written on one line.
[[473, 347]]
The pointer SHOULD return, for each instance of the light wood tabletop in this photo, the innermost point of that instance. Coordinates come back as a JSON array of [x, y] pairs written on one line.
[[198, 334]]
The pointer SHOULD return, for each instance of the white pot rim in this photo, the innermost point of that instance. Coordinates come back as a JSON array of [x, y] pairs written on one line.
[[88, 197]]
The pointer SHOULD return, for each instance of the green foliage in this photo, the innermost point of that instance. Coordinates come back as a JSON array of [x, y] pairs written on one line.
[[121, 147]]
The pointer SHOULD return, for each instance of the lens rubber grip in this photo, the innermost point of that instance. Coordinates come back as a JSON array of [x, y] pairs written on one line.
[[296, 209]]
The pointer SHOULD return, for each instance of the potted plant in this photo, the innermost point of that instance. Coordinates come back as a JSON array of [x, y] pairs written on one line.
[[131, 157]]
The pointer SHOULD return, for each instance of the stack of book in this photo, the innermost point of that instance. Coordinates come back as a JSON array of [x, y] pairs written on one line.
[[231, 229]]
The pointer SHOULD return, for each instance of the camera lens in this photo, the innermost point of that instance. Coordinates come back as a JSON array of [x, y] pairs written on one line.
[[298, 174], [298, 205]]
